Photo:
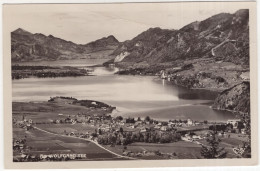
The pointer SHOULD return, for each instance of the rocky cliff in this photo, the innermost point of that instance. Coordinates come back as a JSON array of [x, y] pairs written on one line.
[[26, 46], [235, 99]]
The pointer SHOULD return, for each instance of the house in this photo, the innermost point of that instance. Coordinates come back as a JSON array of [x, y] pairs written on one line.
[[67, 120], [164, 128], [132, 126], [73, 121], [189, 122], [93, 103], [170, 124], [197, 123], [243, 131], [245, 76], [105, 129], [103, 108], [138, 122], [196, 137], [185, 138], [233, 122], [157, 127], [163, 75], [143, 130], [57, 121], [72, 134], [126, 153], [121, 123]]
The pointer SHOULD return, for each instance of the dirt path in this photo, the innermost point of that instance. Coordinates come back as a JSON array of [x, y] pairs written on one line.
[[118, 155]]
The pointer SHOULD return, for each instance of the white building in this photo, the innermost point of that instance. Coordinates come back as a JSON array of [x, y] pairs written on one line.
[[189, 122], [234, 122]]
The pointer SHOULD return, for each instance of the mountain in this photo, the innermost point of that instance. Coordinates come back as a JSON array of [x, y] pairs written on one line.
[[221, 37], [236, 98], [109, 43], [142, 45], [212, 54], [26, 46]]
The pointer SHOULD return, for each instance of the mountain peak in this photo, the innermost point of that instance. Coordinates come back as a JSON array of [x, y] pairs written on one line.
[[105, 41], [111, 37], [242, 11], [21, 31]]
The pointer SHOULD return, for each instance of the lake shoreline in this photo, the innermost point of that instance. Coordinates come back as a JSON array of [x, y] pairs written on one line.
[[182, 77], [41, 71], [156, 78]]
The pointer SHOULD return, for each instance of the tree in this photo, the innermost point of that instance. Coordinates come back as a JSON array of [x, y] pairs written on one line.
[[130, 120], [240, 126], [147, 118], [119, 118], [213, 150], [138, 119], [94, 134], [99, 131], [121, 130], [247, 146]]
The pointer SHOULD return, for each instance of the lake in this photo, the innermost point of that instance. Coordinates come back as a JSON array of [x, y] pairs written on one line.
[[131, 95]]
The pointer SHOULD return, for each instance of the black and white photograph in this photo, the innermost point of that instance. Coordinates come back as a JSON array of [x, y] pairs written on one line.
[[130, 81]]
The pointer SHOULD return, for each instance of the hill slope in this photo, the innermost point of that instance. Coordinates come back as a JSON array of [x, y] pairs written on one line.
[[222, 37], [26, 46], [211, 54], [236, 98]]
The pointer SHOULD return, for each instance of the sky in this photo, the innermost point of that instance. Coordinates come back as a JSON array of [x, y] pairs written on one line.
[[83, 23]]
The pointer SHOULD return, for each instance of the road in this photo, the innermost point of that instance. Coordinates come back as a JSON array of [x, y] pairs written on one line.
[[118, 155]]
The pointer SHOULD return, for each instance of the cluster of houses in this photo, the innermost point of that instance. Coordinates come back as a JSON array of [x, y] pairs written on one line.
[[106, 123], [236, 123], [24, 123], [19, 144], [239, 150], [192, 137], [80, 118]]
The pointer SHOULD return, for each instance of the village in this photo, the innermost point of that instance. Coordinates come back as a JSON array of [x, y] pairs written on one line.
[[113, 132]]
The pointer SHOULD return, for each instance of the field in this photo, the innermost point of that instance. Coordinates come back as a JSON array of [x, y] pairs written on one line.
[[45, 111], [183, 150], [61, 128], [44, 143], [235, 140]]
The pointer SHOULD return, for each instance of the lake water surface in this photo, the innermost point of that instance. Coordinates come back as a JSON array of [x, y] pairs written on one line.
[[132, 95]]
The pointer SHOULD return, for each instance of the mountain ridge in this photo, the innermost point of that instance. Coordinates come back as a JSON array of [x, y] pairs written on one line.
[[26, 46], [195, 40]]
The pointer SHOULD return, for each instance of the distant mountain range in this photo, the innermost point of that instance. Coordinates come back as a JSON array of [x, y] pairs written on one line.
[[26, 46], [223, 37]]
